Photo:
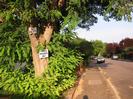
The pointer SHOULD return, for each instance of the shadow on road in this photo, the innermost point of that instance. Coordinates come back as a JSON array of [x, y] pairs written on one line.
[[94, 65], [125, 60]]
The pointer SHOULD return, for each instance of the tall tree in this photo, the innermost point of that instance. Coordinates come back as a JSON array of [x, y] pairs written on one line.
[[113, 48], [127, 42], [45, 17], [99, 47]]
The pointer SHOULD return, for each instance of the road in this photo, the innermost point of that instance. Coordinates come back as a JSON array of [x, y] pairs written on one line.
[[121, 76]]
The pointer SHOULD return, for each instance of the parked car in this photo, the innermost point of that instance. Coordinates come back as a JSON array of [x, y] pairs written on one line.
[[100, 60], [115, 57]]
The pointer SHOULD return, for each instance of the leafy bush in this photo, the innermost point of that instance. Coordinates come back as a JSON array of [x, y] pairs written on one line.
[[21, 83], [59, 76], [83, 47], [14, 47]]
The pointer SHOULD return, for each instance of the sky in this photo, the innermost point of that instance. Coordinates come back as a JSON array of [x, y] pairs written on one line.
[[109, 32]]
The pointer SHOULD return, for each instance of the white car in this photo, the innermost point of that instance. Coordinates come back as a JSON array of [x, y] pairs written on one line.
[[114, 57], [100, 59]]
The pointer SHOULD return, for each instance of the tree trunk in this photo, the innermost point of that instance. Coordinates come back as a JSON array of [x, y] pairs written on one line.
[[1, 20], [40, 64]]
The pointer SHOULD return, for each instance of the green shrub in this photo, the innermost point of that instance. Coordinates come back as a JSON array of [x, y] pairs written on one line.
[[19, 81], [59, 76]]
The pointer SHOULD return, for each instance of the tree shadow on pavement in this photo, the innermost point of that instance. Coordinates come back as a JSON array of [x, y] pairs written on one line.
[[104, 65]]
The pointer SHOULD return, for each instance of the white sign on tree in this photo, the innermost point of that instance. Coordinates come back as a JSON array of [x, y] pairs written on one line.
[[43, 54]]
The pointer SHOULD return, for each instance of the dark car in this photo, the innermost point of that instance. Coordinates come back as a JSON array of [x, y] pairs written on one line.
[[100, 60]]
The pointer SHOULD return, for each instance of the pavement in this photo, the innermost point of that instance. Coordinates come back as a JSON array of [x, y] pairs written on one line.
[[92, 85]]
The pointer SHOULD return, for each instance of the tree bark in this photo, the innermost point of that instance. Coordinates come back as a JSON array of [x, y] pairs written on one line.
[[1, 20], [40, 64]]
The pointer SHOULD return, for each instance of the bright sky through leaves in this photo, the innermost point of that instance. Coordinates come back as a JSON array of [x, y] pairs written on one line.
[[112, 31]]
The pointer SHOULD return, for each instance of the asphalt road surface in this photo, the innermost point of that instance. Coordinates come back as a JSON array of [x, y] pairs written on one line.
[[121, 76]]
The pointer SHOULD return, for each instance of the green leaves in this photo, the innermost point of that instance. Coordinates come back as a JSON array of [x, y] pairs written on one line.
[[119, 9], [99, 47], [21, 54], [27, 15], [70, 21], [14, 46], [55, 15], [40, 47], [59, 76], [2, 51]]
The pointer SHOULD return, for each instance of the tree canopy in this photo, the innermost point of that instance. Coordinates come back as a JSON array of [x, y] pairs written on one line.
[[99, 47], [124, 48], [65, 12]]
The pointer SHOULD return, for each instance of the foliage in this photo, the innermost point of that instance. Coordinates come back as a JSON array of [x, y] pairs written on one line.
[[99, 47], [81, 46], [127, 53], [71, 13], [123, 48], [14, 47], [40, 47], [16, 70], [113, 48], [127, 42], [58, 77], [85, 48]]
